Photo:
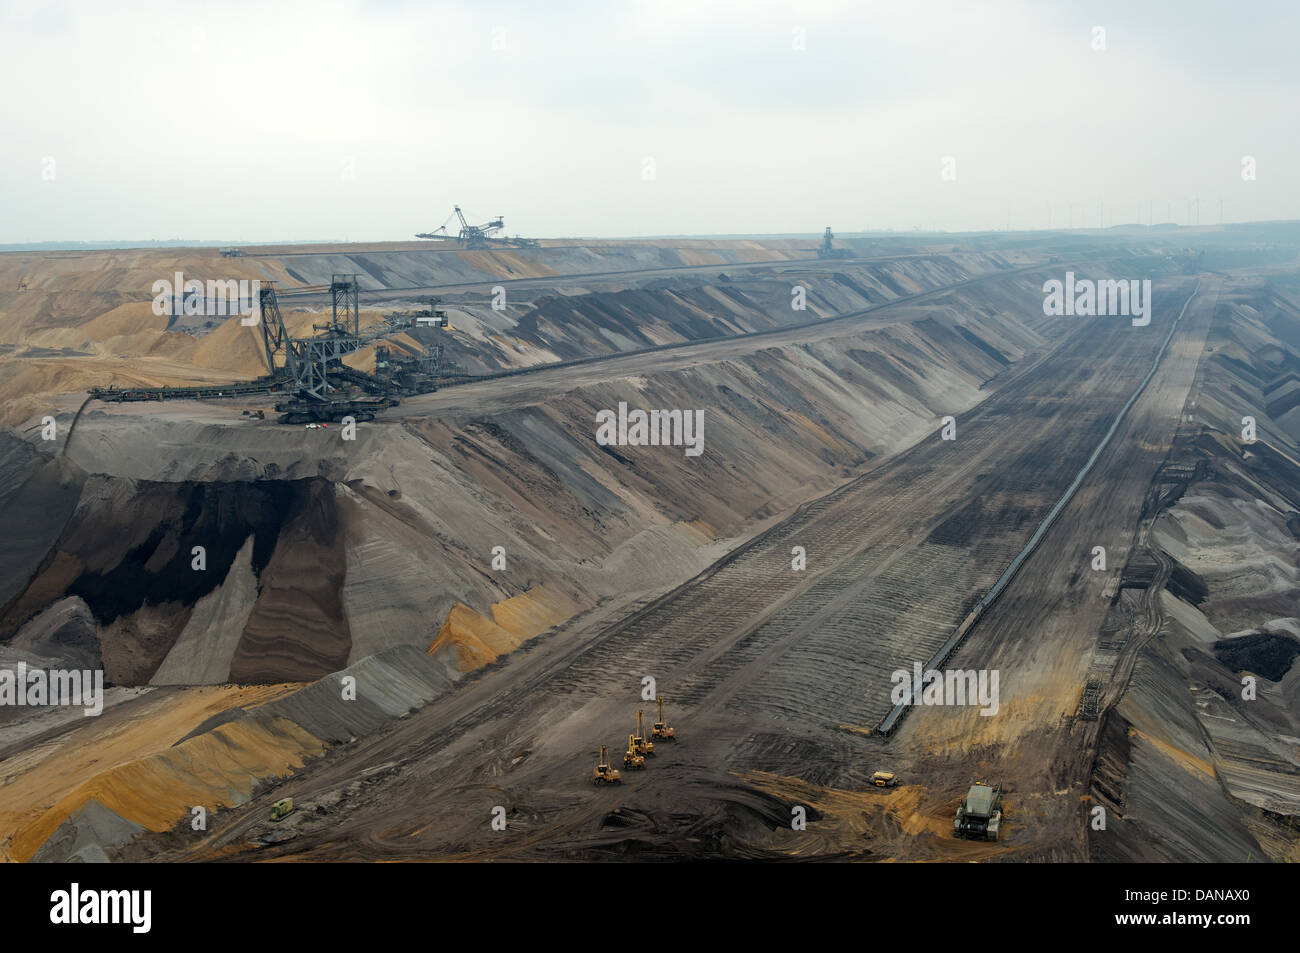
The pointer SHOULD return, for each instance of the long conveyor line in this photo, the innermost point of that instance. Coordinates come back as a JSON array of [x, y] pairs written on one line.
[[896, 714]]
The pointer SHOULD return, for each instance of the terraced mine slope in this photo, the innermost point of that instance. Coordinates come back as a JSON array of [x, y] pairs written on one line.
[[369, 562], [73, 320], [764, 664]]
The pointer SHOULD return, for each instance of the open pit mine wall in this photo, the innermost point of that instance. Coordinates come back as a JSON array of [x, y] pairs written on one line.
[[222, 761], [579, 318], [68, 340], [1187, 768], [88, 320], [320, 552], [432, 265]]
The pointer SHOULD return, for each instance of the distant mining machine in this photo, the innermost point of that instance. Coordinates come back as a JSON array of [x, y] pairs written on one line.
[[419, 373], [470, 236], [605, 773], [409, 375], [432, 316], [827, 249], [661, 729], [478, 236], [979, 816]]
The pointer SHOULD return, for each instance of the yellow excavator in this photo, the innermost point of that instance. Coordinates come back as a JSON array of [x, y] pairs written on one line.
[[661, 729], [643, 745], [605, 772], [632, 758]]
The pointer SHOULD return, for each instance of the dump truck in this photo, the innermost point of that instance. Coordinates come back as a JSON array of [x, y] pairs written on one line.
[[661, 729], [605, 773], [281, 808], [632, 758], [979, 816], [885, 779]]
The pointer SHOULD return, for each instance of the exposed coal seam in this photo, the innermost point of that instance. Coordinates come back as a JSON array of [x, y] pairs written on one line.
[[217, 516]]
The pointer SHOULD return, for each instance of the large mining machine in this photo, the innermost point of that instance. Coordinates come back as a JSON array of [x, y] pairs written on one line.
[[979, 816], [326, 389], [827, 249], [313, 364], [408, 374], [470, 236], [478, 236], [311, 373]]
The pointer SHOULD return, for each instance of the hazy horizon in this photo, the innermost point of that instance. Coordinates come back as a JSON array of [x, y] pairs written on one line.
[[369, 122], [813, 236]]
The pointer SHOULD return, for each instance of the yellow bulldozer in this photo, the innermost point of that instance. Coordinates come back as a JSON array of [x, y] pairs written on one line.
[[632, 758], [282, 808], [643, 745], [661, 729], [606, 773]]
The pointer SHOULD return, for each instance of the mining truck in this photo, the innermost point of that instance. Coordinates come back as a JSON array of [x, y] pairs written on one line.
[[979, 816], [281, 808]]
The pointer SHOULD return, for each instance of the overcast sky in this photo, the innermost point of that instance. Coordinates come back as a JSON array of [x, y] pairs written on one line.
[[263, 121]]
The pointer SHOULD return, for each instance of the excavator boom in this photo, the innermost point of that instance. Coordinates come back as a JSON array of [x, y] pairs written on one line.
[[661, 728], [643, 745]]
